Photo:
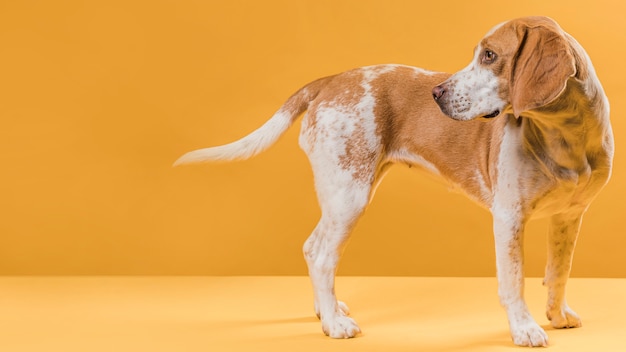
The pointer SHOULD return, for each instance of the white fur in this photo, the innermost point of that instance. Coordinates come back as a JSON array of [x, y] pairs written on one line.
[[558, 181], [413, 159], [473, 91], [247, 147], [508, 228], [340, 135]]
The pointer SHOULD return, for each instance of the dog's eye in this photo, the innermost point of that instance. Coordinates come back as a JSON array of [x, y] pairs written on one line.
[[489, 57]]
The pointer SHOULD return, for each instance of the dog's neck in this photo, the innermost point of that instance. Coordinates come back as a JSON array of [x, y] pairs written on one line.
[[568, 137]]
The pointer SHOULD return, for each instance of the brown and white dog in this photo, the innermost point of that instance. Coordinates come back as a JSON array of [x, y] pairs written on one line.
[[523, 130]]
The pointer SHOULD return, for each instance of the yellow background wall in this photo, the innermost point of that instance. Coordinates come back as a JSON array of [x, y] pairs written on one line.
[[98, 98]]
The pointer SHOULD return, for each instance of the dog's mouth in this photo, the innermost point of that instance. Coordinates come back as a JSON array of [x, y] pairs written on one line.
[[492, 115]]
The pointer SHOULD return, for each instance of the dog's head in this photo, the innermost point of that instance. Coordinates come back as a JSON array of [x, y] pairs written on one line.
[[518, 66]]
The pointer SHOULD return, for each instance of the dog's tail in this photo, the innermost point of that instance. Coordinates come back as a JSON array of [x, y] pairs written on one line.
[[262, 138]]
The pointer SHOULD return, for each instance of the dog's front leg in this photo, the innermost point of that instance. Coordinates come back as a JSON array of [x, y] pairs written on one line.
[[562, 237], [509, 231]]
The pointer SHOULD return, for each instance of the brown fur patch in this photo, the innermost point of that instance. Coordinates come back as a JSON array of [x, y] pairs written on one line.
[[409, 120], [408, 123]]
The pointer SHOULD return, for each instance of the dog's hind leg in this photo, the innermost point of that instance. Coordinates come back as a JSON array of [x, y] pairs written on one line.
[[342, 203], [341, 138], [343, 197]]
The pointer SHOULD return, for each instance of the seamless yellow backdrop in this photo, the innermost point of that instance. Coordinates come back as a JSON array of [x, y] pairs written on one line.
[[98, 98]]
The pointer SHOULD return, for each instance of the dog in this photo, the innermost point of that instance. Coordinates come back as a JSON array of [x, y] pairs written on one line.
[[523, 131]]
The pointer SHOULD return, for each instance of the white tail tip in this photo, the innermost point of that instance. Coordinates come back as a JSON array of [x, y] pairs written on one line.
[[194, 157]]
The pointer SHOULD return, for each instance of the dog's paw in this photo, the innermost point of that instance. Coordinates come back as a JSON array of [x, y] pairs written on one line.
[[341, 305], [529, 334], [340, 326], [563, 318]]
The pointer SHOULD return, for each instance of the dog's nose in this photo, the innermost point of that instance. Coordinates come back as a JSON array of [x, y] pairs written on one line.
[[438, 92]]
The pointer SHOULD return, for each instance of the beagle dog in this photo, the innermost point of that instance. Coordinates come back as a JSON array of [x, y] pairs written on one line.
[[523, 131]]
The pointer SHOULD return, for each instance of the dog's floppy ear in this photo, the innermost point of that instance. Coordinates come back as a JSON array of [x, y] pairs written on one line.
[[540, 69]]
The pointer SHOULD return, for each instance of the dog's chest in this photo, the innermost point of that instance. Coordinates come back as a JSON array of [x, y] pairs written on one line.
[[541, 188]]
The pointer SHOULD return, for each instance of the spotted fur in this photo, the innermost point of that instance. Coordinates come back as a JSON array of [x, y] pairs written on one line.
[[544, 147]]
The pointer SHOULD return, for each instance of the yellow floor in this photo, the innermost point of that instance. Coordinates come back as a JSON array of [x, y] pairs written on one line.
[[189, 314]]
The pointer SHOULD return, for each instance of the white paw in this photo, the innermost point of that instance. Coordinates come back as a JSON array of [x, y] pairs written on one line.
[[340, 326], [529, 334], [341, 305], [564, 318]]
